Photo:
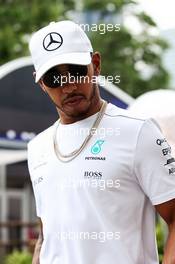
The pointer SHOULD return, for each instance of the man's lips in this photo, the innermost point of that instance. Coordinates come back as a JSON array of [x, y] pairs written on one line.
[[74, 99]]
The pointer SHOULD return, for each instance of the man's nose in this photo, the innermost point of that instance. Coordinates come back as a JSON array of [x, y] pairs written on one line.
[[69, 87]]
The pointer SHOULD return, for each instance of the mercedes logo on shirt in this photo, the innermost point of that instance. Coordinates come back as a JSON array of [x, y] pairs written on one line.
[[52, 41]]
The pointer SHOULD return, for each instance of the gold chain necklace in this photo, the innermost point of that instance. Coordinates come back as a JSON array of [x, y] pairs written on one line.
[[75, 153]]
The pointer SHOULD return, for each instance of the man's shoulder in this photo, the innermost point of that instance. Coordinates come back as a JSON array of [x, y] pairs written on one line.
[[129, 121], [123, 114]]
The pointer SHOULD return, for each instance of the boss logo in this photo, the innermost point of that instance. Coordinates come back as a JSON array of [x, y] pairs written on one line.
[[93, 174]]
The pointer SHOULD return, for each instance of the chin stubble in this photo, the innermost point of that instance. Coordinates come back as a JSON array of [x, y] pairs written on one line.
[[78, 114], [83, 113]]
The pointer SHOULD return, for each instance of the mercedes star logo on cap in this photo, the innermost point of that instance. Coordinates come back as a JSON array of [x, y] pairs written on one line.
[[52, 41]]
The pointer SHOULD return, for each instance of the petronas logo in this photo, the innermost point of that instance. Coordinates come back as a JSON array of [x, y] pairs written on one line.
[[96, 148]]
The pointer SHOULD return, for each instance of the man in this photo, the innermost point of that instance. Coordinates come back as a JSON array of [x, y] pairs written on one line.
[[98, 173]]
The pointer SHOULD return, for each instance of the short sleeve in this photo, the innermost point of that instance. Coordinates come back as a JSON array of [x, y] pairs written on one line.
[[154, 165], [31, 165]]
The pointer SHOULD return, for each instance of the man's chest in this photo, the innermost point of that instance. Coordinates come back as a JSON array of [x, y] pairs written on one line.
[[102, 160], [99, 181]]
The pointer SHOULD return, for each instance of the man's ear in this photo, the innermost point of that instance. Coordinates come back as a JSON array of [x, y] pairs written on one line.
[[96, 61], [40, 82]]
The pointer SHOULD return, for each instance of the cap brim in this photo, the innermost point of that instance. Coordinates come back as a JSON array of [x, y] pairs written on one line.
[[81, 58]]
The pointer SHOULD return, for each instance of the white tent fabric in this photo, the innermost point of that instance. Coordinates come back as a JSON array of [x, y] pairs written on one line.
[[12, 156], [160, 105]]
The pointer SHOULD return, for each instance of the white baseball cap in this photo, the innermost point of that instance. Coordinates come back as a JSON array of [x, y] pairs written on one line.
[[62, 42]]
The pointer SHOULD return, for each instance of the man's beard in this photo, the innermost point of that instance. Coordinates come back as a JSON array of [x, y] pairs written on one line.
[[82, 113]]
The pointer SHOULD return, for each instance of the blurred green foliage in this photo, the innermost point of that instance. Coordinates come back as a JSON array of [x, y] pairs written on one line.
[[135, 57], [123, 53], [104, 4], [19, 18], [18, 258], [160, 239]]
